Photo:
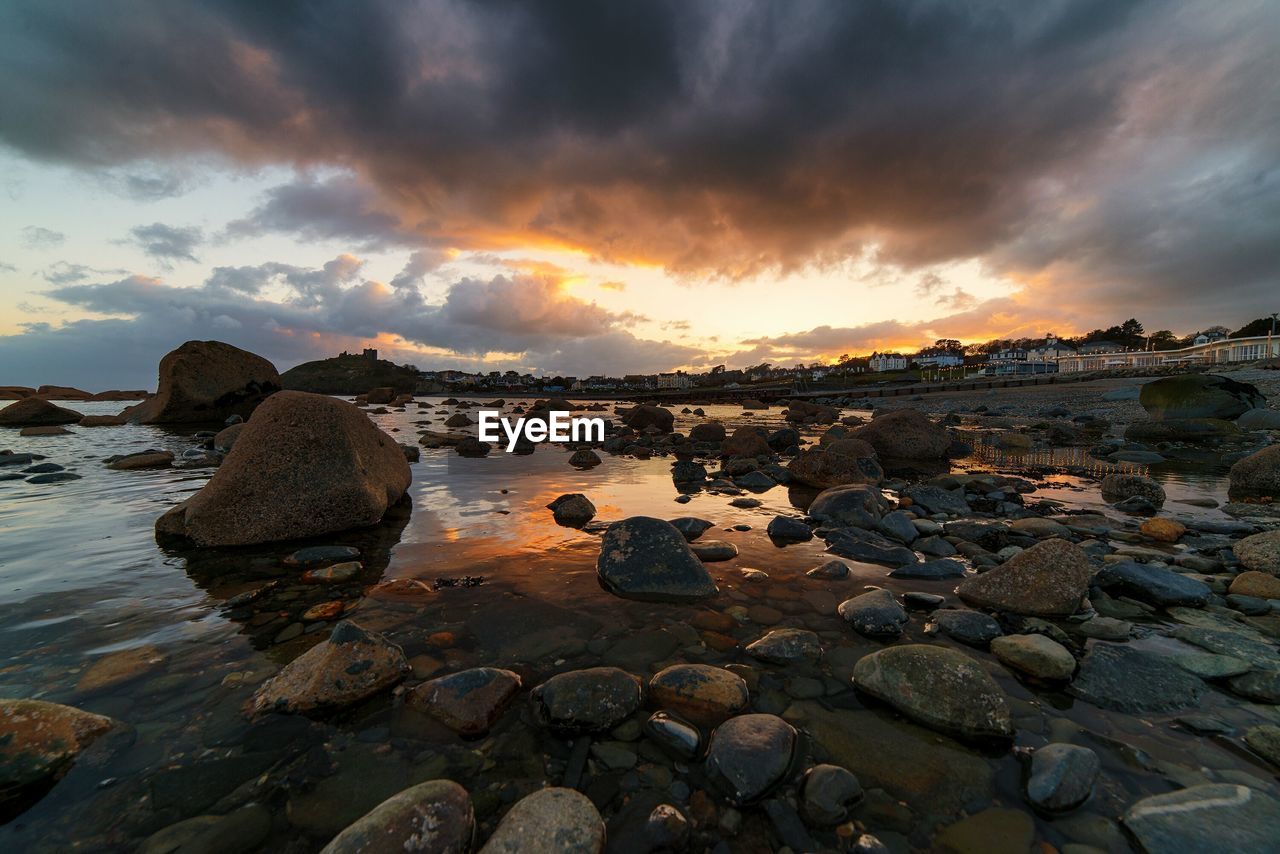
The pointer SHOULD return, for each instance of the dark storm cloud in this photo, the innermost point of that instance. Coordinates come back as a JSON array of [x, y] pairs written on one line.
[[721, 138], [167, 243]]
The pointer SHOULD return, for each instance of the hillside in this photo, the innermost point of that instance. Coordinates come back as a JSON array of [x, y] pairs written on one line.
[[349, 374]]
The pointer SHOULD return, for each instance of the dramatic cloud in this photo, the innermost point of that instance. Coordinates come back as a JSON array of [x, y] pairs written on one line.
[[167, 243]]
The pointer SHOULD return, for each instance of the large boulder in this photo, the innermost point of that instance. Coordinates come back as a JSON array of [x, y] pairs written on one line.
[[1257, 474], [549, 821], [803, 412], [646, 558], [433, 816], [707, 431], [381, 395], [1206, 817], [854, 504], [646, 415], [39, 742], [746, 442], [905, 435], [842, 462], [207, 381], [1260, 552], [1044, 580], [305, 465], [35, 412], [1198, 396]]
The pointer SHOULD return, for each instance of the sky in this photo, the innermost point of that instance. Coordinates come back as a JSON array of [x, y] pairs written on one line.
[[581, 188]]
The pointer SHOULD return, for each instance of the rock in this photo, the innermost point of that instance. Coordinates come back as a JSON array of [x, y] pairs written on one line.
[[752, 403], [39, 742], [1198, 396], [458, 420], [549, 821], [44, 431], [939, 687], [746, 442], [305, 465], [207, 381], [1011, 441], [1045, 580], [700, 693], [869, 547], [226, 438], [931, 570], [1040, 528], [52, 477], [712, 551], [828, 793], [787, 646], [1105, 628], [899, 526], [1035, 655], [934, 499], [674, 734], [469, 702], [876, 614], [587, 701], [119, 668], [687, 471], [150, 459], [970, 627], [1118, 487], [707, 431], [472, 448], [1259, 419], [811, 413], [1265, 741], [848, 505], [995, 830], [313, 556], [584, 458], [1134, 681], [905, 435], [842, 462], [1195, 430], [1062, 777], [1257, 474], [784, 438], [35, 412], [1160, 587], [1163, 530], [1206, 817], [1210, 665], [572, 510], [1262, 686], [756, 481], [751, 755], [1263, 585], [101, 421], [645, 416], [691, 526], [380, 396], [646, 558], [784, 529], [666, 829], [431, 816], [832, 569], [351, 665], [1260, 552]]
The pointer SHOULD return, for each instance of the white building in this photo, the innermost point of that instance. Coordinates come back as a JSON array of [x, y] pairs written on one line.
[[679, 379], [1210, 353], [1051, 350], [940, 359], [881, 362]]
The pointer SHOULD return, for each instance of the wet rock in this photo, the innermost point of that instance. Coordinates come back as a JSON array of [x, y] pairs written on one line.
[[995, 830], [746, 442], [305, 465], [1198, 396], [572, 510], [1259, 419], [905, 435], [458, 420], [36, 412], [54, 477], [1260, 552], [1207, 817], [786, 646], [692, 527], [875, 614], [314, 556], [751, 755], [101, 421], [1263, 585], [969, 627], [666, 829], [708, 431], [1161, 587], [472, 448], [1119, 487], [1210, 665], [784, 529], [687, 471], [118, 668], [645, 415], [1163, 530], [1262, 686], [549, 821], [934, 569], [586, 701], [1265, 741], [646, 558], [868, 546], [1038, 527], [1048, 579], [935, 499], [44, 431], [1124, 679], [1194, 430], [700, 693], [1035, 655], [1257, 474], [828, 793], [469, 702], [351, 665], [939, 687], [711, 551], [674, 734], [151, 459], [207, 381], [39, 742], [225, 440], [825, 467], [431, 816], [855, 504], [898, 525], [1105, 628], [584, 458], [757, 481], [832, 569]]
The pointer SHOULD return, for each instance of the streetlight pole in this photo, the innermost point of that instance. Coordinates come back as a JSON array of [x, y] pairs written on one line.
[[1271, 336]]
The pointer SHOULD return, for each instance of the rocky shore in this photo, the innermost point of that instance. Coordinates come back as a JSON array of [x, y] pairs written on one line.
[[965, 623]]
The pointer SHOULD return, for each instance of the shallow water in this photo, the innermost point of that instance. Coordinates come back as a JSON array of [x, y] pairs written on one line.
[[81, 576]]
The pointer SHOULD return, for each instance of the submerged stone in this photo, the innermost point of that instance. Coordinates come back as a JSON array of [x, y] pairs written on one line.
[[646, 558]]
